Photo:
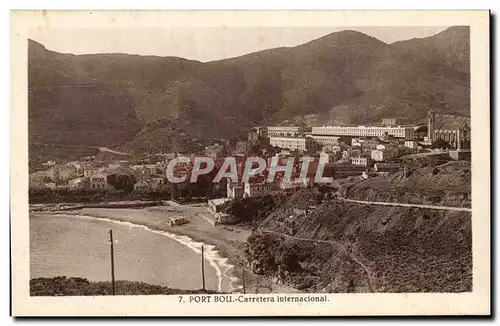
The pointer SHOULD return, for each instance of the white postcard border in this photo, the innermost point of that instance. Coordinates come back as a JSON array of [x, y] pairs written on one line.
[[476, 302]]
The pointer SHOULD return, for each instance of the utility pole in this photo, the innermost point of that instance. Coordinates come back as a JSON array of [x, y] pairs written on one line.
[[112, 261], [202, 267], [243, 279]]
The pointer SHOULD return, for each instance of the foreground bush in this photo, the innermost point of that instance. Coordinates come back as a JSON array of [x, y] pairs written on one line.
[[77, 286]]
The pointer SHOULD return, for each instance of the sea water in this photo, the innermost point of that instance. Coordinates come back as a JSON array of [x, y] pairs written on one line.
[[65, 245]]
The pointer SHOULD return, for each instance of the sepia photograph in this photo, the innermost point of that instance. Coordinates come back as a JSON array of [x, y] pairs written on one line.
[[232, 164]]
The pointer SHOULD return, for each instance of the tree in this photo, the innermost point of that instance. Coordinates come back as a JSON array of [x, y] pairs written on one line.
[[345, 140], [440, 143]]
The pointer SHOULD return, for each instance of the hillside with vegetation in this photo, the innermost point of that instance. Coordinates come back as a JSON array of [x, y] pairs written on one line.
[[77, 286], [330, 245]]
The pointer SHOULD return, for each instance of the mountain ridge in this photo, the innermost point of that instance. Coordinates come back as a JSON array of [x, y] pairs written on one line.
[[344, 77]]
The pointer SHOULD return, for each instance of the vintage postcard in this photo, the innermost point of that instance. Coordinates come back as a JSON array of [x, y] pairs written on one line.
[[250, 163]]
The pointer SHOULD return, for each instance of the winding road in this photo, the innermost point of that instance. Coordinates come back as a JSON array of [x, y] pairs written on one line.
[[349, 252], [100, 148], [446, 208]]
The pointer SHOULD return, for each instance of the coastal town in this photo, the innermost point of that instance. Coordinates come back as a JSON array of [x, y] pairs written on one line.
[[243, 215], [342, 152]]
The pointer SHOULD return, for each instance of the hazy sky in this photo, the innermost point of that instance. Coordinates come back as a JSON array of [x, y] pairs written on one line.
[[205, 44]]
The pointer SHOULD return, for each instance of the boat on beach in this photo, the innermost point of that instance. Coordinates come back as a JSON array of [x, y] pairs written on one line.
[[177, 220]]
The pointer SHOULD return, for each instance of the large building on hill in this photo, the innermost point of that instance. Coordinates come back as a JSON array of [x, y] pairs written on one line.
[[389, 121], [256, 189], [287, 131], [293, 143], [404, 132]]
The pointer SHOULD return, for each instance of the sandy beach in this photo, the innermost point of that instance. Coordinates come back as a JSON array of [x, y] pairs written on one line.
[[228, 240]]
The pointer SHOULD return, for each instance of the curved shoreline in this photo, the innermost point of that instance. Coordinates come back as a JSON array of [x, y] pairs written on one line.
[[223, 269]]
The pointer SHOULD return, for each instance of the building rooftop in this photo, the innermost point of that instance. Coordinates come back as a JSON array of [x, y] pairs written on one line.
[[290, 137], [119, 170], [284, 127], [367, 127]]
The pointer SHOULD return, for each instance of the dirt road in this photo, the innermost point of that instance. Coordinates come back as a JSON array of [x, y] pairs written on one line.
[[446, 208]]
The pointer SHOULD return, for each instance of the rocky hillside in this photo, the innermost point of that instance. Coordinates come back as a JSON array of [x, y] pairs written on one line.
[[444, 47], [447, 184], [344, 77], [348, 247], [69, 106]]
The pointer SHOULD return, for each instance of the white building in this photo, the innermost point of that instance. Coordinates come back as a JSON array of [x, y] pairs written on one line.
[[355, 143], [76, 183], [389, 121], [351, 152], [411, 144], [257, 189], [378, 155], [285, 131], [150, 169], [234, 190], [99, 181], [365, 131], [326, 158], [87, 172], [292, 143], [294, 184], [215, 205]]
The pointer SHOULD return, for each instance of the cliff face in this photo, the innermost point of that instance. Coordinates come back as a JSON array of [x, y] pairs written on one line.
[[349, 247]]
